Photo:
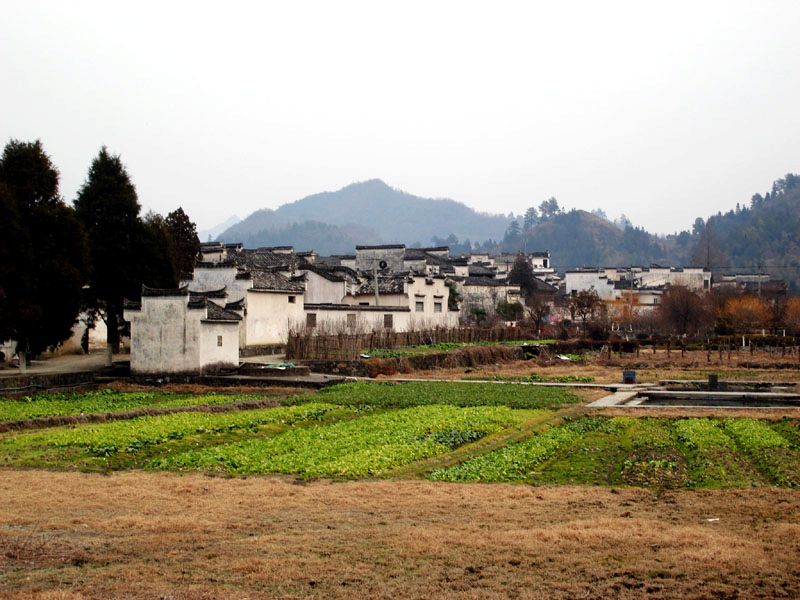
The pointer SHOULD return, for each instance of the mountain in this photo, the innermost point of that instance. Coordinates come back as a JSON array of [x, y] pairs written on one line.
[[763, 236], [207, 235], [373, 212]]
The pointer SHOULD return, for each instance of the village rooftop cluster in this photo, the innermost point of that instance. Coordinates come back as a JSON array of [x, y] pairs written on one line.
[[247, 301]]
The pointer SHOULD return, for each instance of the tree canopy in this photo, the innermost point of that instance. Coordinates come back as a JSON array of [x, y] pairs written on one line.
[[43, 254]]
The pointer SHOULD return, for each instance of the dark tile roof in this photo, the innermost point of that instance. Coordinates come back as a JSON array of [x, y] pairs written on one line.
[[217, 313], [325, 272], [476, 270], [394, 284], [131, 304], [148, 292], [271, 281], [223, 264], [220, 293], [238, 305], [382, 247], [253, 260], [488, 281], [356, 308]]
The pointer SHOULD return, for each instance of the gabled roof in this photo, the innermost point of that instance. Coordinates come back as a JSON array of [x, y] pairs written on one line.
[[324, 272], [275, 282], [220, 293], [382, 247], [238, 305], [149, 292], [393, 284], [477, 270], [216, 313], [488, 282]]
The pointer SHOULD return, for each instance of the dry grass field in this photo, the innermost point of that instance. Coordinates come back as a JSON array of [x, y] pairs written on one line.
[[143, 535], [649, 367]]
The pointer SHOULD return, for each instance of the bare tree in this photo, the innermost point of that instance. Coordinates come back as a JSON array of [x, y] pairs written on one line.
[[585, 304], [682, 311]]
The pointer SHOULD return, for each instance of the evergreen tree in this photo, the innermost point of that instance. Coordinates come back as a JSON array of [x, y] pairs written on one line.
[[108, 207], [549, 209], [531, 219], [42, 251], [521, 274]]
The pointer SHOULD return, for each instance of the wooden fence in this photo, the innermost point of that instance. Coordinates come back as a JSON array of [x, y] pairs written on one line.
[[304, 346]]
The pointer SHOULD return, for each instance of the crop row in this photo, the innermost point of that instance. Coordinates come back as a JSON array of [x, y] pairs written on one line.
[[102, 401], [642, 451], [370, 445], [129, 436], [516, 461], [405, 395]]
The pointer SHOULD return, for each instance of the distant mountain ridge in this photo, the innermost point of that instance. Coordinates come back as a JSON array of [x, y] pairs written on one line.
[[762, 236], [365, 212], [210, 234]]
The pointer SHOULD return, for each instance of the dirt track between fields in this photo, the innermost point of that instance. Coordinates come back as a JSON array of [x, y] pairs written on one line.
[[146, 535]]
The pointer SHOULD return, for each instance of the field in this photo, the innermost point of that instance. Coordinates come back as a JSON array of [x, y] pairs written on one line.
[[380, 490]]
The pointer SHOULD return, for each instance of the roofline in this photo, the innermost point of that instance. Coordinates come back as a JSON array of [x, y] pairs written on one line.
[[356, 308]]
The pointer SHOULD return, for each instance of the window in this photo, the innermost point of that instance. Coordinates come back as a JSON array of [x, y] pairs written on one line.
[[705, 284], [351, 320], [292, 299], [544, 262], [437, 307], [219, 341], [363, 303], [420, 306], [311, 320], [388, 321]]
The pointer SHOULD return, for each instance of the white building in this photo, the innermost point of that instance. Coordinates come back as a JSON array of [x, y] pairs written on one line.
[[173, 333]]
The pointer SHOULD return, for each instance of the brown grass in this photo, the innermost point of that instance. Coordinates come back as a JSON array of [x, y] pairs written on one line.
[[647, 370], [143, 535]]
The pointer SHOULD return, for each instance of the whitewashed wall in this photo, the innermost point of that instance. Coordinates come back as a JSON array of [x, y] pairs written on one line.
[[270, 315]]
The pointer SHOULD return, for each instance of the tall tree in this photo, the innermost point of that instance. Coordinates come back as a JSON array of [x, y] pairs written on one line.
[[531, 218], [108, 207], [682, 311], [522, 274], [184, 243], [585, 304], [42, 250], [549, 209], [707, 252]]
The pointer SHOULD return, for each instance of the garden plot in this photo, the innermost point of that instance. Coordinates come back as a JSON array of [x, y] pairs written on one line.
[[692, 453], [370, 445], [105, 401], [121, 444]]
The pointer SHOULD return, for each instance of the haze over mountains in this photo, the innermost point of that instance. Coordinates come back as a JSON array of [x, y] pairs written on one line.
[[761, 233], [364, 213]]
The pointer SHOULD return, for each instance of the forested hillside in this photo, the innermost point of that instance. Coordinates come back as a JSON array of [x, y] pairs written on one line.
[[764, 235]]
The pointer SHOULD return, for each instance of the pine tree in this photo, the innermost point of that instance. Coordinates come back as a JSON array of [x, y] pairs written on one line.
[[42, 251], [108, 207], [184, 243]]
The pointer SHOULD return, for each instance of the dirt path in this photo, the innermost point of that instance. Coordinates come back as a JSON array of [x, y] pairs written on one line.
[[149, 535]]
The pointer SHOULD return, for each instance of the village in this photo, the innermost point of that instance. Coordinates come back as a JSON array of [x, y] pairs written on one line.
[[247, 301], [355, 300]]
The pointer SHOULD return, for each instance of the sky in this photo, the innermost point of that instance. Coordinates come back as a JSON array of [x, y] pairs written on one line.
[[659, 111]]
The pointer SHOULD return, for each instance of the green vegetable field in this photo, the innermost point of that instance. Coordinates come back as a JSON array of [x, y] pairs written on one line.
[[443, 431]]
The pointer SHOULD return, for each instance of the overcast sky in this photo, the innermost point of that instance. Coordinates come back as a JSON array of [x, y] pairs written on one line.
[[661, 112]]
